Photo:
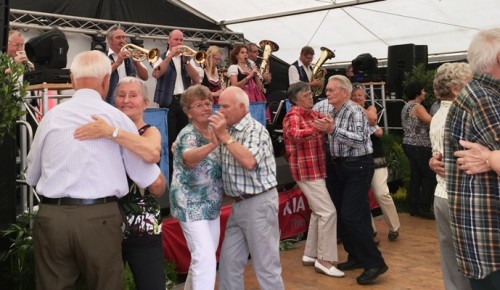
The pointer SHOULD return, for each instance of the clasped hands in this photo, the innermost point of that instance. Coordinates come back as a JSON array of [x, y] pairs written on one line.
[[324, 124]]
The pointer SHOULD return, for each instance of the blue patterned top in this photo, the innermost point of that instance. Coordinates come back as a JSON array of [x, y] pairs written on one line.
[[195, 194]]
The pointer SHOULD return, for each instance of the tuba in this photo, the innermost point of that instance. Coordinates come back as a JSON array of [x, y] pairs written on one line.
[[138, 53], [318, 73], [268, 47]]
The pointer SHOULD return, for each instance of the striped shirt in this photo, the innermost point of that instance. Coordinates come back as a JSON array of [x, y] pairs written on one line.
[[61, 166], [351, 136], [237, 180], [304, 144], [474, 200]]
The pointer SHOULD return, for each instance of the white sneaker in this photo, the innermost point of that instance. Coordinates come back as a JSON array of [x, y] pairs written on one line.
[[308, 261], [334, 272]]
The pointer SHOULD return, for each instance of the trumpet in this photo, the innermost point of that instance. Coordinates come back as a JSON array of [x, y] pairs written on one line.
[[138, 53], [198, 56], [31, 66]]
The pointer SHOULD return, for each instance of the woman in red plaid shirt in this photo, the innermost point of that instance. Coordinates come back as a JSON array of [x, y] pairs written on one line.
[[305, 146]]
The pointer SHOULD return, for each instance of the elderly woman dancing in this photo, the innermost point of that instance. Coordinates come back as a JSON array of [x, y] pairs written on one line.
[[196, 189]]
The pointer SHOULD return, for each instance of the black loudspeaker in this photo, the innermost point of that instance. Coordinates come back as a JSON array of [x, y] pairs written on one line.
[[4, 23], [400, 59], [393, 109], [283, 174]]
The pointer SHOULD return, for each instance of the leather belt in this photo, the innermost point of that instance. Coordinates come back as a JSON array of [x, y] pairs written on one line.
[[77, 201], [177, 97], [243, 197], [351, 159]]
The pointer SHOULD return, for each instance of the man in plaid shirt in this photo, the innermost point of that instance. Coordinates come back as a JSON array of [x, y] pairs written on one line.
[[474, 200]]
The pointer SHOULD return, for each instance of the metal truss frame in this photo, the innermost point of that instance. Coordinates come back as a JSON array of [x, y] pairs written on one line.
[[24, 19]]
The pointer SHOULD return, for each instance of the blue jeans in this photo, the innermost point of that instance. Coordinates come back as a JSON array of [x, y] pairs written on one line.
[[422, 179], [349, 183]]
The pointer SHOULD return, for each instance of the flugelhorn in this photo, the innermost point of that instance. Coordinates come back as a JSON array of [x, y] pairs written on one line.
[[318, 73], [31, 66], [138, 53], [268, 47], [198, 56]]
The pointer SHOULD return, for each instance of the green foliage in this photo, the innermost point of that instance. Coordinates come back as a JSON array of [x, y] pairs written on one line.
[[400, 201], [426, 77], [397, 163], [11, 95], [20, 255]]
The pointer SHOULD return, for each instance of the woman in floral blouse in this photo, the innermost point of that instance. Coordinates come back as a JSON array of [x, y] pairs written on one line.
[[196, 189]]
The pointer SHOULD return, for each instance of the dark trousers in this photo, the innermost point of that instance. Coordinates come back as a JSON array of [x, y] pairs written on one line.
[[349, 184], [146, 262], [177, 120], [490, 282], [422, 179]]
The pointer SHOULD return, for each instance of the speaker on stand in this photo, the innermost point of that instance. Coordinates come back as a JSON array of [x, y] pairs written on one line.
[[400, 59]]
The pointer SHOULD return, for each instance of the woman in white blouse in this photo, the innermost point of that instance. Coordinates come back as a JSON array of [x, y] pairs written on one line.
[[449, 80]]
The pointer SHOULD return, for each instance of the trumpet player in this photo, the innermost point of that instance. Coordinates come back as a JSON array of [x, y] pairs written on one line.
[[15, 45], [174, 74], [122, 65], [301, 69]]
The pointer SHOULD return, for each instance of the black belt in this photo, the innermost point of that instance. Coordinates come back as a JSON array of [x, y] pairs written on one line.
[[351, 159], [243, 197], [177, 97], [77, 201]]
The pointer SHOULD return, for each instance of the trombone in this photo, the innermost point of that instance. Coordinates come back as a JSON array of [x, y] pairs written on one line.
[[138, 53]]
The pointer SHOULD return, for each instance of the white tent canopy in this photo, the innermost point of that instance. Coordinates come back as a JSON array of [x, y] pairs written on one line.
[[445, 26]]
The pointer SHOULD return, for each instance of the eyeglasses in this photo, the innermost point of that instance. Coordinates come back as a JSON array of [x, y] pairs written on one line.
[[16, 44], [202, 105], [333, 90], [217, 58]]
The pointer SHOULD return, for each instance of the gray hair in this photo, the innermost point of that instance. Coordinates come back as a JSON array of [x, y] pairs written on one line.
[[133, 80], [109, 32], [90, 64], [343, 82], [449, 76], [293, 91], [483, 51]]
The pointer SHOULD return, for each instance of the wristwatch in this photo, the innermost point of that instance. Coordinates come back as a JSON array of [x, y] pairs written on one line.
[[229, 141], [115, 133]]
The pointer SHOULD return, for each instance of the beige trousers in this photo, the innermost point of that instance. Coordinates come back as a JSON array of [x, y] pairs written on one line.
[[321, 240]]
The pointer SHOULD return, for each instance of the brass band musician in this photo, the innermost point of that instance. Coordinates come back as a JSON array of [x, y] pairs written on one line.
[[212, 77], [253, 55], [121, 63], [302, 70], [15, 45], [245, 74]]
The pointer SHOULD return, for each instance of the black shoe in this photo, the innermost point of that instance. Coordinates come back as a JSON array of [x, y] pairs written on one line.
[[349, 265], [370, 275], [393, 235]]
